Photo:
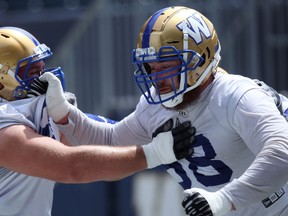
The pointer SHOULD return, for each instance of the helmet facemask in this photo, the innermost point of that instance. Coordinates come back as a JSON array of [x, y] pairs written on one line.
[[145, 79], [42, 52]]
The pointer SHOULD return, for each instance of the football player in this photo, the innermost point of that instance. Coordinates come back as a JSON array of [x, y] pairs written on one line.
[[32, 157], [239, 165]]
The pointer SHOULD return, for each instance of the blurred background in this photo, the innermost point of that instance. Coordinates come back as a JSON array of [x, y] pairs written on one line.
[[92, 41]]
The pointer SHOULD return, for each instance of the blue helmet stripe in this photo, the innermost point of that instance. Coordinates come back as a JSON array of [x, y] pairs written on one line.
[[148, 29]]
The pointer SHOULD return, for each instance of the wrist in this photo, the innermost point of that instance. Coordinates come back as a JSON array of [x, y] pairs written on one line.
[[151, 156], [160, 150], [221, 204], [59, 111], [64, 120]]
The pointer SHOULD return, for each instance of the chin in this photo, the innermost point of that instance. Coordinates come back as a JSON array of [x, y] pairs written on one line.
[[188, 98]]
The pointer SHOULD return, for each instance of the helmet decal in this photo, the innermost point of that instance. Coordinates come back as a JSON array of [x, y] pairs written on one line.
[[196, 27]]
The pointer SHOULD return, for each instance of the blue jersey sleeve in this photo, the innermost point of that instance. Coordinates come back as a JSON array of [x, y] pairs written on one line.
[[100, 118]]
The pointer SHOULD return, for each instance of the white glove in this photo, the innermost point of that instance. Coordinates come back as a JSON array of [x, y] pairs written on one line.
[[160, 150], [170, 146], [201, 202], [57, 105]]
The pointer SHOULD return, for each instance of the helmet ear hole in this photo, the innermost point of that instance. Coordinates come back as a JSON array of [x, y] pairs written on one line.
[[208, 51], [4, 35]]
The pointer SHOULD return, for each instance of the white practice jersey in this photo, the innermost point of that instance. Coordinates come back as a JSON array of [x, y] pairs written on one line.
[[22, 195], [235, 120]]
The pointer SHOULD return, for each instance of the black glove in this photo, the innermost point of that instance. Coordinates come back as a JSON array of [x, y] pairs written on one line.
[[37, 88], [184, 137], [167, 126], [204, 203], [196, 205], [183, 141]]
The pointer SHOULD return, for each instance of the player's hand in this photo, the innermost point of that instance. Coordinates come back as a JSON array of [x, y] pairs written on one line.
[[182, 148], [168, 147], [184, 137], [199, 202], [57, 105]]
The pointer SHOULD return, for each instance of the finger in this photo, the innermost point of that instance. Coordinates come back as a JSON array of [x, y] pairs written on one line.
[[33, 93], [184, 149], [39, 86], [186, 201], [182, 127], [49, 77], [44, 77], [196, 204], [184, 153], [167, 126], [190, 202], [184, 135], [185, 143]]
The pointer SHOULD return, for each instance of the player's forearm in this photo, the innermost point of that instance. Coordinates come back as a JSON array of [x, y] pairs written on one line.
[[267, 174], [82, 129], [109, 163], [47, 158], [104, 163]]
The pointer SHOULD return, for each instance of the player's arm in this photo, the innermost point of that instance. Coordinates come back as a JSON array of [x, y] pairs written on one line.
[[25, 151], [266, 136], [80, 129]]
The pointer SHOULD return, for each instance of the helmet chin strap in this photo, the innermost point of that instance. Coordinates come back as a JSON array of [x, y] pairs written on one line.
[[211, 67], [179, 98], [174, 101]]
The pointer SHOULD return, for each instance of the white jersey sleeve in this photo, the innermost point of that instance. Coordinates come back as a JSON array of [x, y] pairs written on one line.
[[266, 134], [9, 115], [135, 129], [84, 130]]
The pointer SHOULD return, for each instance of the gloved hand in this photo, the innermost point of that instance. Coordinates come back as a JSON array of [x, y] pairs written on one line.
[[203, 203], [168, 147], [37, 88], [57, 105], [184, 137]]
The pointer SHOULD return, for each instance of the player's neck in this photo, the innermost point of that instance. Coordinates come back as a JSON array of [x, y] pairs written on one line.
[[193, 95]]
